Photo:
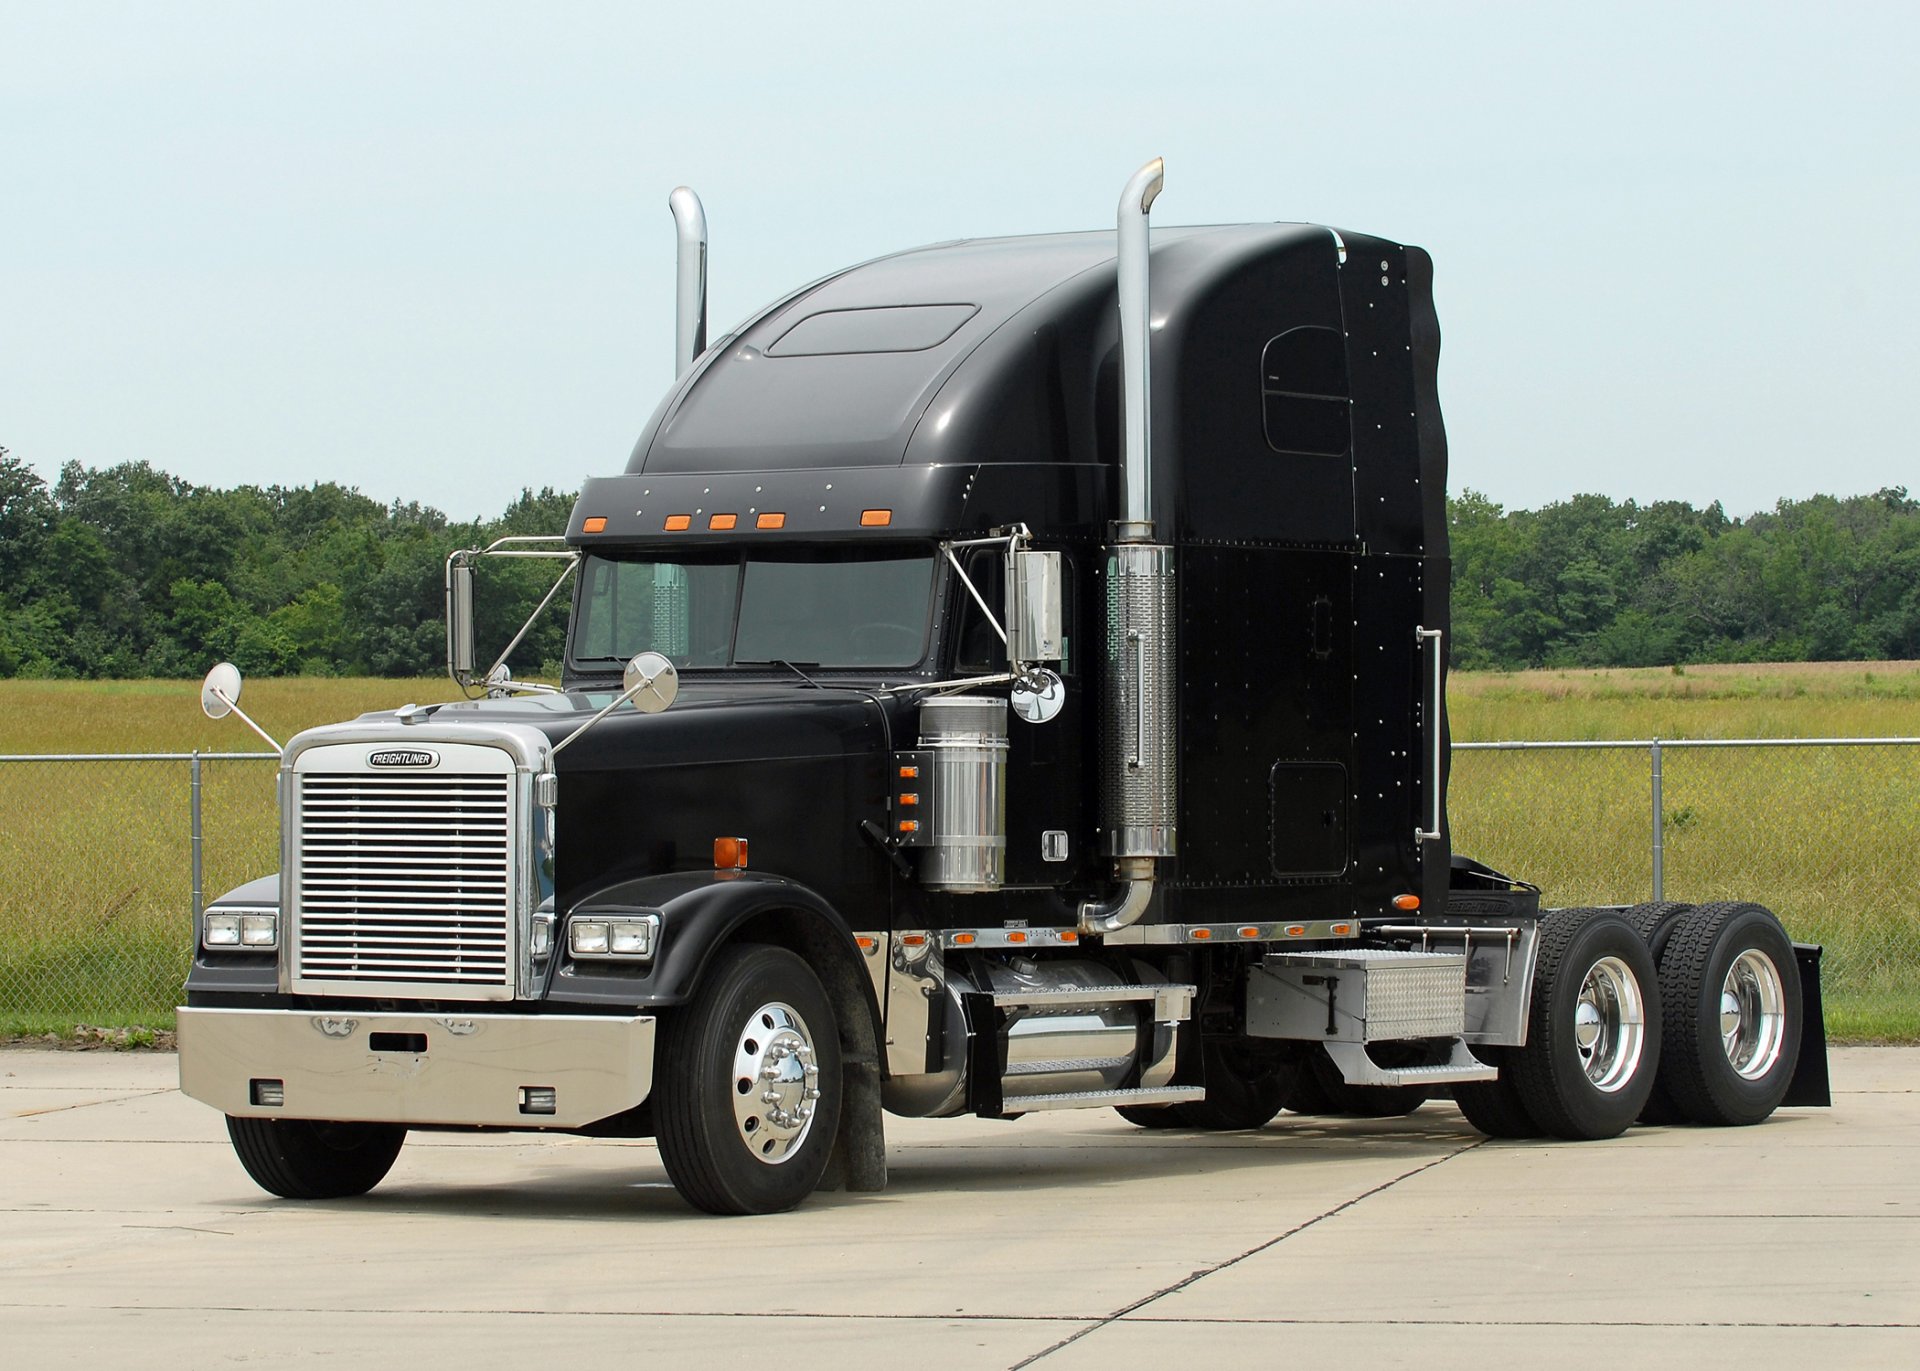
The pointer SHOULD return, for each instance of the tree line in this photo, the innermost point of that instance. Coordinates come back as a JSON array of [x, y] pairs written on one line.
[[126, 571]]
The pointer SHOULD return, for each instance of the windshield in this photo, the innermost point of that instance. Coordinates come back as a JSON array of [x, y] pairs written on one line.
[[717, 611]]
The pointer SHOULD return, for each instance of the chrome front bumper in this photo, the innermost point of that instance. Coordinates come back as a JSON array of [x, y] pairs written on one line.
[[417, 1068]]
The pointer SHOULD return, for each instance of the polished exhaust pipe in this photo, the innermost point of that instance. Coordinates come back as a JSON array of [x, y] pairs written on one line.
[[1138, 731], [690, 278]]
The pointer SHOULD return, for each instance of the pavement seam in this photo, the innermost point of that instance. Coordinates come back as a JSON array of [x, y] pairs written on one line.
[[1230, 1262], [89, 1104]]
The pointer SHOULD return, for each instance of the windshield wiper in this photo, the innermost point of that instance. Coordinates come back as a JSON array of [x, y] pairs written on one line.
[[790, 666]]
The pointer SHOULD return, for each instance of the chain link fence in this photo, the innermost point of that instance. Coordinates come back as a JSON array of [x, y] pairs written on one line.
[[99, 856]]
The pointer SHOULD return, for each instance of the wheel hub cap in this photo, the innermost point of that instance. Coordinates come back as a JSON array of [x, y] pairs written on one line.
[[1610, 1024], [1753, 1018], [776, 1082]]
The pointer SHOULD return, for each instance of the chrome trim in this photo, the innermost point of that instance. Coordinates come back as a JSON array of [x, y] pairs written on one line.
[[1290, 931], [999, 939], [471, 1073], [1753, 1015], [1123, 908]]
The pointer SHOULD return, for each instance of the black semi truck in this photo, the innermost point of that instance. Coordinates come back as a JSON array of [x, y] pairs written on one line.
[[1007, 676]]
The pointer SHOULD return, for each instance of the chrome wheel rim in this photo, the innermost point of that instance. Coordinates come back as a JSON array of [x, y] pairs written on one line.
[[1610, 1024], [1753, 1015], [776, 1083]]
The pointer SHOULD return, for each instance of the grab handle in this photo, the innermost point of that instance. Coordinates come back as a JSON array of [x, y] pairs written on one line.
[[1431, 833]]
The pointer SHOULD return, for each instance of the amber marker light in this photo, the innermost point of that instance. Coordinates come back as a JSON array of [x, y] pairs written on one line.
[[771, 521], [1407, 902], [909, 826], [864, 943], [1249, 932], [1200, 935], [1016, 937], [913, 940], [1296, 930], [730, 854], [597, 524], [679, 523], [1067, 935], [875, 518], [962, 939], [1342, 930], [720, 522]]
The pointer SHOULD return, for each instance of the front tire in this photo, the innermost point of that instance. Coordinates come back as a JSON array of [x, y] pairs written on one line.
[[747, 1100], [313, 1159], [1733, 1015], [1593, 1030]]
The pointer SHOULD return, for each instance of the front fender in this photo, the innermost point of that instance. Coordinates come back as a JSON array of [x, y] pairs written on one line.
[[699, 913]]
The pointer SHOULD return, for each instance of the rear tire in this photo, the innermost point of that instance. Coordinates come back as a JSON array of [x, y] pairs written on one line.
[[1363, 1101], [1150, 1116], [314, 1159], [1495, 1107], [747, 1099], [1655, 922], [1733, 1015], [1245, 1088], [1593, 1029]]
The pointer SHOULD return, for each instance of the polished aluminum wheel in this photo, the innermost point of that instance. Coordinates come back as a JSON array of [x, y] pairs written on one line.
[[1753, 1015], [776, 1081], [1610, 1024]]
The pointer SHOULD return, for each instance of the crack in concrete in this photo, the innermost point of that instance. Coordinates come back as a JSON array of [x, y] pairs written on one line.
[[1230, 1262]]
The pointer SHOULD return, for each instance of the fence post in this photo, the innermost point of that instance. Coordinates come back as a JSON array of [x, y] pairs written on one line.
[[1659, 829], [199, 893]]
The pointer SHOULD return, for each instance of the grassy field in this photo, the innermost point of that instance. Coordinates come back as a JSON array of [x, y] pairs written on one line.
[[94, 861]]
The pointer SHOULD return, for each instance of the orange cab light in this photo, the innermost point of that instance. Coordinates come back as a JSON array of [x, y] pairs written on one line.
[[1068, 935], [875, 518], [909, 825], [1408, 902], [963, 940], [913, 940], [1201, 934], [909, 773], [1016, 937], [679, 523], [597, 524], [1249, 932], [1341, 930], [909, 797], [730, 854], [722, 522], [1296, 930], [771, 521], [863, 942]]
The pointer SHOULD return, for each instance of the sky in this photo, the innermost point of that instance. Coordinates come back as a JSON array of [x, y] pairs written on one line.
[[423, 249]]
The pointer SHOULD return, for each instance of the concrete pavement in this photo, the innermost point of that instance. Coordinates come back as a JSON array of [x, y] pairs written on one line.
[[130, 1236]]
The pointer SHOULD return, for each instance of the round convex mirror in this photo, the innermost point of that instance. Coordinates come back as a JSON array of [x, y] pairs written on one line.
[[1039, 698], [652, 682], [220, 692]]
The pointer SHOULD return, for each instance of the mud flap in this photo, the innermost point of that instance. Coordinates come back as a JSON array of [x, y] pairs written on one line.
[[1809, 1085]]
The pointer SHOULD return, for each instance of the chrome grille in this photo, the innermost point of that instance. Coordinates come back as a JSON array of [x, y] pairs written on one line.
[[405, 879]]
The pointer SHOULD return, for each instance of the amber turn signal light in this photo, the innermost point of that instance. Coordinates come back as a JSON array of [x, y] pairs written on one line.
[[1406, 902], [597, 524], [729, 854], [875, 518], [679, 523]]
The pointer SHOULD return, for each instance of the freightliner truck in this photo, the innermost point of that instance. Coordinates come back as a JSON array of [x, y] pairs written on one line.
[[1008, 676]]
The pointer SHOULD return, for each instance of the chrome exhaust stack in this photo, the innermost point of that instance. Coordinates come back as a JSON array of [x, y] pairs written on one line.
[[1139, 733], [690, 278]]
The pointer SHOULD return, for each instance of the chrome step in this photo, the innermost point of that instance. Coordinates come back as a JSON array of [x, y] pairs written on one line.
[[1357, 1068], [1105, 1099]]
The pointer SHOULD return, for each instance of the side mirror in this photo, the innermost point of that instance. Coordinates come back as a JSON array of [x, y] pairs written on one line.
[[459, 620], [1036, 621], [220, 692]]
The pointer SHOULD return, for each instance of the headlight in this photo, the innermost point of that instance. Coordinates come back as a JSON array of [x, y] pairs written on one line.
[[615, 937], [248, 930]]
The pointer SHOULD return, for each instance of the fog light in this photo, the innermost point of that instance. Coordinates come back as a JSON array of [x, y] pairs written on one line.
[[587, 937], [539, 1099], [267, 1094], [260, 929]]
